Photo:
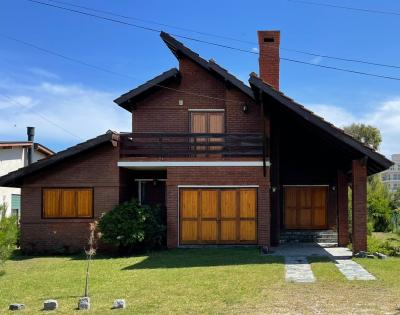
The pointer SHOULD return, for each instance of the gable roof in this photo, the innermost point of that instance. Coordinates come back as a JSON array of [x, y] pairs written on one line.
[[376, 161], [26, 144], [179, 50], [127, 100], [13, 178]]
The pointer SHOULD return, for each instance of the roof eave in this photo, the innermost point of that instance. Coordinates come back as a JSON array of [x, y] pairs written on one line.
[[380, 161]]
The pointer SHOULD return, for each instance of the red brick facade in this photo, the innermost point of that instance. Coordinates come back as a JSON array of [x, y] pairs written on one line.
[[359, 180], [98, 169]]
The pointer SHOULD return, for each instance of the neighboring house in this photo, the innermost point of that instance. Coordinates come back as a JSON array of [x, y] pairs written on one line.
[[230, 163], [391, 177], [14, 155]]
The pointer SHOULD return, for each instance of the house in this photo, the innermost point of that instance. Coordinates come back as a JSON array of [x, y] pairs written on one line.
[[231, 163], [14, 155], [391, 177]]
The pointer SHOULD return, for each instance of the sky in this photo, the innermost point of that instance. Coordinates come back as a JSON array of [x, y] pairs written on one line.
[[69, 103]]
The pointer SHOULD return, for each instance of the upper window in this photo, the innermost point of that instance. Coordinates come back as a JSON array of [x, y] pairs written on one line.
[[67, 203]]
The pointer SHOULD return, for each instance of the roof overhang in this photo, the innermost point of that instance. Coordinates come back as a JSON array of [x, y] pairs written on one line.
[[128, 100], [376, 162], [14, 179]]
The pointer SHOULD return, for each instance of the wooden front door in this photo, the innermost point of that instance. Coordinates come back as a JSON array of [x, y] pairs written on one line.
[[218, 216], [306, 207]]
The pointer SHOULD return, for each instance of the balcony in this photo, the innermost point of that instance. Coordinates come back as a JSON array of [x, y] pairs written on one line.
[[169, 146]]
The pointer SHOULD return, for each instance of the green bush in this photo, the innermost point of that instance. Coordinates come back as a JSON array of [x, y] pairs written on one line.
[[8, 234], [132, 227], [388, 247]]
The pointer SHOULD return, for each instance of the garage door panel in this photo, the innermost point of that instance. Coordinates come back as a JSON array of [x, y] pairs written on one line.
[[229, 203], [218, 215], [228, 230], [209, 203], [247, 230], [189, 231], [248, 203], [209, 231], [189, 203]]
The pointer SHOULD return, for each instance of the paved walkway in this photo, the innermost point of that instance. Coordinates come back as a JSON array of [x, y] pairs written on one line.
[[352, 270], [298, 268]]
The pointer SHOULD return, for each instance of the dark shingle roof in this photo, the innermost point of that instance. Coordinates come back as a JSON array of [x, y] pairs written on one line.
[[14, 178], [380, 162], [125, 100]]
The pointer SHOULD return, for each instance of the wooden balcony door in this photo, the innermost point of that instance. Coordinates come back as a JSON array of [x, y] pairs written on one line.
[[207, 122], [306, 207]]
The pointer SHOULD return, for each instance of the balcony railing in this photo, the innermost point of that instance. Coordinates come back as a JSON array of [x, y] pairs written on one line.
[[186, 145]]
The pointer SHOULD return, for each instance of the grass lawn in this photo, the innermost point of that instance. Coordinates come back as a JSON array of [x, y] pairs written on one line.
[[198, 281]]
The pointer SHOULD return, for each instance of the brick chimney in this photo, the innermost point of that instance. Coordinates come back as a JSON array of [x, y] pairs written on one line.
[[269, 42]]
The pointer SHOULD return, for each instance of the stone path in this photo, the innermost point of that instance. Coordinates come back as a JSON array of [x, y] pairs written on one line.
[[298, 269], [353, 271]]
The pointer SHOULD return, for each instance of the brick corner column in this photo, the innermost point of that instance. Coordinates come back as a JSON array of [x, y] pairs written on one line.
[[264, 216], [172, 216], [343, 209], [359, 180]]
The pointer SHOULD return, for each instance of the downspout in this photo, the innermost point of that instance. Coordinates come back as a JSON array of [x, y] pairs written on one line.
[[31, 138]]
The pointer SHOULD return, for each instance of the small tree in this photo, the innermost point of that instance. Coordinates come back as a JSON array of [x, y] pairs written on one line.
[[379, 204], [8, 234], [90, 251], [132, 227], [367, 134]]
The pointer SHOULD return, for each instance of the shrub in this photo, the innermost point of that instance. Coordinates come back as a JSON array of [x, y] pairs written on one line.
[[8, 234], [389, 247], [132, 227]]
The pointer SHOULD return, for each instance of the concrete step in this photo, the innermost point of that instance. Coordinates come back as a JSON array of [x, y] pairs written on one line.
[[325, 236]]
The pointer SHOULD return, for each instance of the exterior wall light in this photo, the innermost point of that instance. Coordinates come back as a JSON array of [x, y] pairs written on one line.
[[245, 108]]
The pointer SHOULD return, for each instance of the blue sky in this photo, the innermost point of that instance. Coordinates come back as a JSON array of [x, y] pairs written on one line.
[[79, 99]]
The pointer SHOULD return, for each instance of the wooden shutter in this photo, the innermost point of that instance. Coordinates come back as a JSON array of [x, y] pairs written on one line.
[[84, 199], [67, 203], [51, 203], [216, 125]]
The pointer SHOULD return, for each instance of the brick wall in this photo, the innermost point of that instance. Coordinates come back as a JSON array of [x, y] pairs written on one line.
[[359, 188], [160, 112], [218, 176], [97, 169]]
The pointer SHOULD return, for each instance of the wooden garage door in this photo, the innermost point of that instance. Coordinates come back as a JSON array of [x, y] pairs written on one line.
[[218, 216], [306, 207]]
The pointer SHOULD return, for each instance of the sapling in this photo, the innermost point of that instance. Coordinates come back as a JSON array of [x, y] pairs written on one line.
[[90, 252]]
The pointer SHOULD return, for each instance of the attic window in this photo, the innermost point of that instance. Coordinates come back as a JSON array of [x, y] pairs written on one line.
[[268, 40]]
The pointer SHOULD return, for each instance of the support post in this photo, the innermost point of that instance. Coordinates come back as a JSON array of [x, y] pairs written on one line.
[[359, 211], [343, 209]]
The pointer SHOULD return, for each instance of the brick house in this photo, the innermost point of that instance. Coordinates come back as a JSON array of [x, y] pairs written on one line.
[[230, 163]]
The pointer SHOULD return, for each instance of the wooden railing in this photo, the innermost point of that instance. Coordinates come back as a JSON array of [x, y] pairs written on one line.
[[193, 145]]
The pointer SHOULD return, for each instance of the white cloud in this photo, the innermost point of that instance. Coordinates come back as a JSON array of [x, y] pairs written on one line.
[[385, 116], [43, 73], [50, 107], [254, 49]]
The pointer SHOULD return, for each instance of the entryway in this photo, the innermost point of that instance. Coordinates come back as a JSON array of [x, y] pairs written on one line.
[[305, 207], [218, 216]]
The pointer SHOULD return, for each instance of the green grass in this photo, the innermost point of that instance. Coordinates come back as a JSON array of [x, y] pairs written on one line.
[[197, 281]]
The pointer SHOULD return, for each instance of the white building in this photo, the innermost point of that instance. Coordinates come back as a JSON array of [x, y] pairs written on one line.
[[14, 155], [391, 177]]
